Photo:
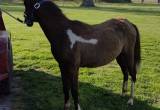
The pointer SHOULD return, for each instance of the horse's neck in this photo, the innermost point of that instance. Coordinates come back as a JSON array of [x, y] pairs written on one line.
[[53, 26], [53, 33]]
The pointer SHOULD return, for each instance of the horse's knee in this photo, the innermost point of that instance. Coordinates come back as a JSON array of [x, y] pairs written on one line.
[[132, 72]]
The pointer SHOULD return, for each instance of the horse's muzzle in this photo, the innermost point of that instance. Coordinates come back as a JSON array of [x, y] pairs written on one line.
[[29, 22]]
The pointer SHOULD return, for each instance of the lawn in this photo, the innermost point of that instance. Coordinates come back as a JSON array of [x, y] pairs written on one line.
[[100, 88]]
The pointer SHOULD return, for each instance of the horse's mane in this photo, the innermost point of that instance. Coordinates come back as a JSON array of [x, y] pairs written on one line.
[[53, 7]]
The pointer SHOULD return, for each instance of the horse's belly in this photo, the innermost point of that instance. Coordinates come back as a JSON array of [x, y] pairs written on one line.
[[93, 64], [102, 53], [98, 59]]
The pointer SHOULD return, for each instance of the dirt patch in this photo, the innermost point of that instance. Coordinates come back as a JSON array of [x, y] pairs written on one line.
[[14, 100]]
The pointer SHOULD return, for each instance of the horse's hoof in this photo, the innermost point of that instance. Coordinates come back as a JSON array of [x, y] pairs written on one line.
[[130, 101]]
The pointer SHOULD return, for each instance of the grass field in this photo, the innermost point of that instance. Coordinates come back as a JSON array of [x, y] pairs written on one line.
[[100, 88]]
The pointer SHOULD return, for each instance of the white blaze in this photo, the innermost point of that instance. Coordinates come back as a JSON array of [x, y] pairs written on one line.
[[75, 38]]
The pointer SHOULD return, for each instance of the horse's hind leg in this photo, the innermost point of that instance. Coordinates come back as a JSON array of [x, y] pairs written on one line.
[[132, 72], [121, 60]]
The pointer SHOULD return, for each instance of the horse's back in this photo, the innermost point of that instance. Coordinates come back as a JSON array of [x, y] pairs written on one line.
[[121, 29], [112, 37]]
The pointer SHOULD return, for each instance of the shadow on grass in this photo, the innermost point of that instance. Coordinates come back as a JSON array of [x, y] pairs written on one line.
[[137, 11], [43, 91]]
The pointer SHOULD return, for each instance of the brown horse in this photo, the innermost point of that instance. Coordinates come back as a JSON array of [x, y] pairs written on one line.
[[75, 44]]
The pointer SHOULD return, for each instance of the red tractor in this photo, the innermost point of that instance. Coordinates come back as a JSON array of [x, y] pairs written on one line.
[[6, 59]]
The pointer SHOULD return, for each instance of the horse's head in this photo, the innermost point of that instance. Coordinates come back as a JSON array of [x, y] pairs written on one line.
[[29, 12]]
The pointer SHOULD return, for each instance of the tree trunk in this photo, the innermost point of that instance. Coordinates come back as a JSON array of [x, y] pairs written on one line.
[[142, 1], [88, 3]]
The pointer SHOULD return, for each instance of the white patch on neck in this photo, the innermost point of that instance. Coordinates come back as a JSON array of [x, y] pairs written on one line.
[[75, 38], [79, 108]]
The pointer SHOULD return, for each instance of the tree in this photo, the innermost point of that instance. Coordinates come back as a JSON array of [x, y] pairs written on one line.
[[142, 1], [88, 3]]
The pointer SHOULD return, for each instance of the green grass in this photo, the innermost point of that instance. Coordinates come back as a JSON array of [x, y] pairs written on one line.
[[99, 87]]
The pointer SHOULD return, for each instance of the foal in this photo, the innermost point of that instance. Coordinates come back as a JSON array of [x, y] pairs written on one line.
[[75, 44]]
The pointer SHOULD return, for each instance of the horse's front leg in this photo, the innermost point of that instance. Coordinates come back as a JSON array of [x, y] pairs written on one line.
[[74, 88], [69, 75], [66, 85]]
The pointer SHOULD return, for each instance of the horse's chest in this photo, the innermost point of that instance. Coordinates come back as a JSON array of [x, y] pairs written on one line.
[[59, 52], [62, 52]]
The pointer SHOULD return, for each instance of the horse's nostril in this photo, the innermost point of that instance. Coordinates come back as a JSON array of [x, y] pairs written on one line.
[[25, 15], [29, 22]]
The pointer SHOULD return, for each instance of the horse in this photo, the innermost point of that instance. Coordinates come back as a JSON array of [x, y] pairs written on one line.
[[76, 44]]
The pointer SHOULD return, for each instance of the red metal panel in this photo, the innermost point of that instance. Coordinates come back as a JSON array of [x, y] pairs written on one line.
[[3, 53], [3, 50], [4, 59]]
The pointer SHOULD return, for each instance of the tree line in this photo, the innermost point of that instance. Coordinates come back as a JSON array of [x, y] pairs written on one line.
[[91, 3]]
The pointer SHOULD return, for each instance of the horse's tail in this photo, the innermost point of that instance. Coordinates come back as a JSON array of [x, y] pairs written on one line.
[[137, 49]]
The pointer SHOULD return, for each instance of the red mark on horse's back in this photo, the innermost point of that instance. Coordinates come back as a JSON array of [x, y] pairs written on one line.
[[121, 19]]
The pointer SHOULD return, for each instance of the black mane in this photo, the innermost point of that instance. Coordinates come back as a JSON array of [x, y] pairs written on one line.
[[52, 6]]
